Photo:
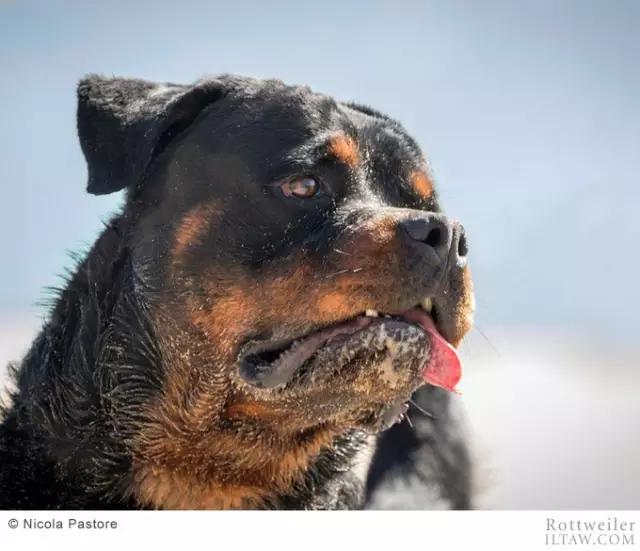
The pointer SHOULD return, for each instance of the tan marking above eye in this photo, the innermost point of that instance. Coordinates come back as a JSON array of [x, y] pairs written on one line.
[[344, 149], [303, 188], [421, 184]]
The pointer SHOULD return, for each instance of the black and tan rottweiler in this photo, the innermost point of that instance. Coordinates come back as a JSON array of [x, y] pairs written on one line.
[[279, 283]]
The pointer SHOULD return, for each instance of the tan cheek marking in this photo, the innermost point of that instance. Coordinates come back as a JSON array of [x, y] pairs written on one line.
[[255, 410], [192, 228], [372, 244], [345, 150], [228, 319], [421, 184], [244, 305], [334, 305]]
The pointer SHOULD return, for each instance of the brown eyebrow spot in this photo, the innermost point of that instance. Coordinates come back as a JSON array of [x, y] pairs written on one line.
[[344, 149], [421, 183]]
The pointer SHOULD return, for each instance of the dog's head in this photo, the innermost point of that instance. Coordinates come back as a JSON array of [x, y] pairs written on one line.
[[301, 278]]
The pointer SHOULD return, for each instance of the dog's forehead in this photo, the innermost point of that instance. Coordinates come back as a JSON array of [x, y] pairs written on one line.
[[268, 130], [295, 118]]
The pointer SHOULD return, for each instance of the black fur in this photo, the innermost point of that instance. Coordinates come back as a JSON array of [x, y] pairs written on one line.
[[68, 430]]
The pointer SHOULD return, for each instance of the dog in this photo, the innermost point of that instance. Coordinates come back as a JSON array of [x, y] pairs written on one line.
[[249, 330]]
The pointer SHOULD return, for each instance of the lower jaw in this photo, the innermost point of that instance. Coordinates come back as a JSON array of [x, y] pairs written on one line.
[[333, 348]]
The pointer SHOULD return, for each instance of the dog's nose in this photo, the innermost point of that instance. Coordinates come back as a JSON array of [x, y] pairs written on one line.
[[444, 236]]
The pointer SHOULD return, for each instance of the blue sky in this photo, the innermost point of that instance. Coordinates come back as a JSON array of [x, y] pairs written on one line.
[[528, 112]]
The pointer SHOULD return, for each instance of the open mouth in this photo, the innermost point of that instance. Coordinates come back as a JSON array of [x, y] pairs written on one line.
[[412, 333]]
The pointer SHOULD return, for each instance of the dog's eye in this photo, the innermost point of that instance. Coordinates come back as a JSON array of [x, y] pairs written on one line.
[[303, 188]]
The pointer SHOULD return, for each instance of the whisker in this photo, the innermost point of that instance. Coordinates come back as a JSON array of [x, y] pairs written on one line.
[[342, 252], [422, 410], [354, 271], [406, 416], [488, 341], [337, 273]]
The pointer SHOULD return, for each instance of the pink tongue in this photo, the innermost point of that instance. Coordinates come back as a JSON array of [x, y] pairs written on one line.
[[444, 368]]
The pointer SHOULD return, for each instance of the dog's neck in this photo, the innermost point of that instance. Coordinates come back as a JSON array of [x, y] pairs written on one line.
[[54, 427], [334, 479]]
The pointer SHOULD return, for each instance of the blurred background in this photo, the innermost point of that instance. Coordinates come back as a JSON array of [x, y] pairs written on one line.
[[529, 113]]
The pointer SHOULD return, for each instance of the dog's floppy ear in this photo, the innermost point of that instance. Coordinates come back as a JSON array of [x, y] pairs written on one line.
[[123, 123]]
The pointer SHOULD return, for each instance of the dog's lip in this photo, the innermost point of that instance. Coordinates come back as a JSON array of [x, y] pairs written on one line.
[[271, 364]]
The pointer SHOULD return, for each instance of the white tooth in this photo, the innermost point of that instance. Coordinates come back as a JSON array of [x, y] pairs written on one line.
[[427, 304], [371, 313]]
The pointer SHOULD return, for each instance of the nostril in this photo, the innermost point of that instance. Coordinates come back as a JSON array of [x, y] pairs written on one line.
[[434, 237], [463, 248], [433, 231], [416, 228]]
